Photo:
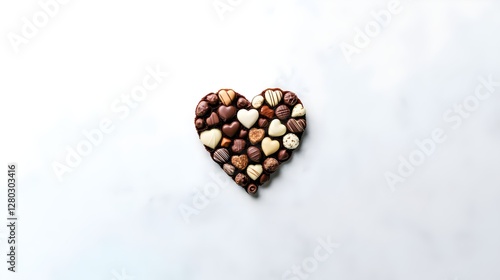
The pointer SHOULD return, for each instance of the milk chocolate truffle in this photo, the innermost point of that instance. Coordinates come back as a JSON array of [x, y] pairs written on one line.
[[290, 98], [271, 165], [282, 112], [283, 155], [202, 108], [212, 99], [238, 146], [243, 103], [199, 123], [241, 179], [254, 154], [264, 178]]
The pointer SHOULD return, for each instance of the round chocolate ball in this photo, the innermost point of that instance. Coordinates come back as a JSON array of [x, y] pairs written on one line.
[[241, 179], [271, 165]]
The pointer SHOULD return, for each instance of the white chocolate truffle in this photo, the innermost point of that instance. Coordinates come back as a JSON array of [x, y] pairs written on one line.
[[291, 141]]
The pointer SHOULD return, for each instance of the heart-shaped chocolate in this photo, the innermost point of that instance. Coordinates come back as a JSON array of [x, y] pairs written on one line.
[[250, 140]]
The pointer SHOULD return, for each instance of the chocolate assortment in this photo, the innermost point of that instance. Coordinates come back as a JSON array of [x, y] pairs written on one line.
[[250, 140]]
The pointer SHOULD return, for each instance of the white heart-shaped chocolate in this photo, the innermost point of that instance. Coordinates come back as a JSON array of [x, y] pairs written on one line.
[[211, 138], [270, 146], [254, 171], [273, 97], [248, 117], [276, 129], [298, 111]]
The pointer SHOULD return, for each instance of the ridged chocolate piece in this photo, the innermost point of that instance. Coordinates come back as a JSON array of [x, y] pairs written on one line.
[[229, 169], [221, 155], [296, 126], [283, 112], [254, 154]]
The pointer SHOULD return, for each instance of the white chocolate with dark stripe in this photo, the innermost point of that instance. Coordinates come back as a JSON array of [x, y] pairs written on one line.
[[254, 171], [273, 98]]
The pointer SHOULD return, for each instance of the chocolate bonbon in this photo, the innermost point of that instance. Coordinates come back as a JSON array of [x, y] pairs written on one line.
[[254, 171], [271, 164], [282, 112], [254, 154], [276, 129], [270, 146], [291, 141], [290, 98], [250, 140], [226, 96], [256, 135], [240, 162], [296, 126], [238, 146], [213, 119], [298, 111], [252, 189], [229, 169], [221, 155], [241, 179]]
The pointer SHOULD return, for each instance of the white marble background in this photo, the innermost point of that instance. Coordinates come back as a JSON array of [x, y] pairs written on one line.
[[117, 216]]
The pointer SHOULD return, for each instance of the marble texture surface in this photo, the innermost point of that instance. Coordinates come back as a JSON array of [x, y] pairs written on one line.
[[132, 209]]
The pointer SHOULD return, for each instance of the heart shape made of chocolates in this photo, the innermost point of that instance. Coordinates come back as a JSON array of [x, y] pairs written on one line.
[[250, 140]]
